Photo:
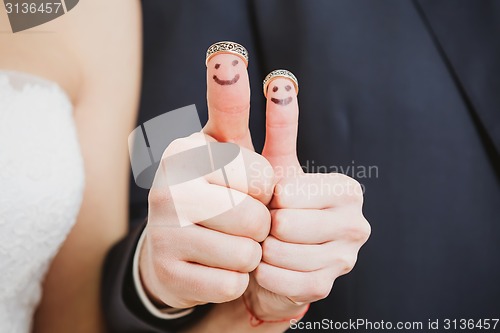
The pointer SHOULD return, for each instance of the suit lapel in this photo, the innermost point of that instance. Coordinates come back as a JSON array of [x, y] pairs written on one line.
[[467, 33]]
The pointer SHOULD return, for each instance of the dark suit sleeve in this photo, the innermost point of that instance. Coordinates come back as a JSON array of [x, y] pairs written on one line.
[[122, 307]]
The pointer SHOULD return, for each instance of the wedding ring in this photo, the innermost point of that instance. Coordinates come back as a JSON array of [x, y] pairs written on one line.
[[227, 47], [280, 73]]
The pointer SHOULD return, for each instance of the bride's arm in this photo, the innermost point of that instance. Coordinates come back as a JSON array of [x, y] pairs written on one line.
[[93, 53]]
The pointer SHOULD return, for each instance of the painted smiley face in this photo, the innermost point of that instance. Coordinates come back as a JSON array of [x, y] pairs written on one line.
[[282, 101], [226, 82]]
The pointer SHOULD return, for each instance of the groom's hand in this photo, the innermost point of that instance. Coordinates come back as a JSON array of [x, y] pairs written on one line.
[[209, 260], [317, 221]]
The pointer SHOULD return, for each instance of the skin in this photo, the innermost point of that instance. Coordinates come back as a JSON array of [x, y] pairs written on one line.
[[280, 250], [103, 84], [285, 100], [223, 82]]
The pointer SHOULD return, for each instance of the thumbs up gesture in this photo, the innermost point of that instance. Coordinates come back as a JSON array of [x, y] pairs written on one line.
[[285, 236], [202, 237], [317, 225]]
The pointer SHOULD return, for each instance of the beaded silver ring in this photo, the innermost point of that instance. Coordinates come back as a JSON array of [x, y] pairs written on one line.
[[227, 47], [280, 73]]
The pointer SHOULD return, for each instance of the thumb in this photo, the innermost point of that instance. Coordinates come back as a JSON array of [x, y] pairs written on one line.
[[228, 94], [282, 115]]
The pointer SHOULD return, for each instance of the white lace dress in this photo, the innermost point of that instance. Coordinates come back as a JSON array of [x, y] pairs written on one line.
[[41, 187]]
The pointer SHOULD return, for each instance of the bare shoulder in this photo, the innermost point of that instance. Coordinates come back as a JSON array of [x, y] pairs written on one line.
[[94, 53], [72, 49]]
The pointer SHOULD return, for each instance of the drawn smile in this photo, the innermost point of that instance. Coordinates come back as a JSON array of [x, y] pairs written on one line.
[[226, 82], [282, 101]]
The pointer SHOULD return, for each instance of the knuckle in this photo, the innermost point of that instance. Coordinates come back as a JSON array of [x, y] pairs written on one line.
[[155, 241], [358, 232], [181, 303], [256, 221], [352, 190], [318, 287], [270, 248], [233, 286], [156, 276], [355, 186], [279, 227], [349, 181], [280, 195], [264, 276], [181, 144], [165, 270], [346, 264], [322, 291], [263, 224], [365, 230], [199, 137], [158, 197], [162, 248], [318, 293], [249, 256], [174, 147]]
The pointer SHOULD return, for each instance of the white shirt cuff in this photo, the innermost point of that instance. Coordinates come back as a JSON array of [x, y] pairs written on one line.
[[159, 313]]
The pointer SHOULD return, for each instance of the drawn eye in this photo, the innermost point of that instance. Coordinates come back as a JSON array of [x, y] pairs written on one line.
[[235, 62], [288, 88], [275, 89], [217, 66]]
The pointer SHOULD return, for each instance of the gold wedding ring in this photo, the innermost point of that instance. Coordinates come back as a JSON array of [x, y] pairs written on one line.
[[227, 47], [280, 73]]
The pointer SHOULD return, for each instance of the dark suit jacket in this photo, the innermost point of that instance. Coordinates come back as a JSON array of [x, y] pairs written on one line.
[[411, 89]]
